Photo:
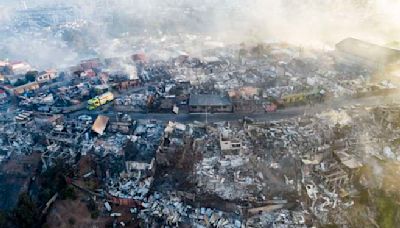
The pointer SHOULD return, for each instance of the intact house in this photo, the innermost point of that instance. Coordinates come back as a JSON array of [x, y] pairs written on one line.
[[46, 76], [201, 103], [22, 88]]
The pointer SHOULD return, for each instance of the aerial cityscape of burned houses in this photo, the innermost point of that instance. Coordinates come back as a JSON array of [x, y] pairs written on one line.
[[243, 136]]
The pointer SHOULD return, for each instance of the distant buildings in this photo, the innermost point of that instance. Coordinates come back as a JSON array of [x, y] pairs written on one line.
[[19, 67], [356, 51]]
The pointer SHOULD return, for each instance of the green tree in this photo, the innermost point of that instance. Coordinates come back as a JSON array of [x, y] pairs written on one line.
[[20, 82], [31, 76]]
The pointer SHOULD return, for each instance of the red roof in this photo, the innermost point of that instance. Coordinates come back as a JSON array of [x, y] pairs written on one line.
[[90, 73]]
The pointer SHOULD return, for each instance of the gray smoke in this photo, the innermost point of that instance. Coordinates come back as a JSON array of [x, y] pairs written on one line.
[[314, 23]]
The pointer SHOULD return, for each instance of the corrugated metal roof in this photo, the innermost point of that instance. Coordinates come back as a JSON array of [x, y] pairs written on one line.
[[208, 100], [100, 124]]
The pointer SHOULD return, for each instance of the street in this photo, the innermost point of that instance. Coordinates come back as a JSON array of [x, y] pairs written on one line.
[[285, 113]]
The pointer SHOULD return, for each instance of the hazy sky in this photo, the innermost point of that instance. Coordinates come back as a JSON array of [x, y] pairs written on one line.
[[302, 22]]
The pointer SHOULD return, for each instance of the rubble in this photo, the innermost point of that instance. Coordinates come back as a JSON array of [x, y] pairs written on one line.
[[186, 140], [174, 212]]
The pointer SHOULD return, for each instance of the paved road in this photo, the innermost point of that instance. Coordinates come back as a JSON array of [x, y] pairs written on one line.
[[280, 114]]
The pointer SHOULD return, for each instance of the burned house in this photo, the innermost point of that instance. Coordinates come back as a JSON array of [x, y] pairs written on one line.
[[122, 124], [246, 99], [141, 152], [228, 142], [90, 64], [44, 100], [110, 145], [136, 102], [122, 80], [167, 104], [172, 144], [202, 103], [139, 161], [66, 132], [63, 139], [214, 65], [44, 119]]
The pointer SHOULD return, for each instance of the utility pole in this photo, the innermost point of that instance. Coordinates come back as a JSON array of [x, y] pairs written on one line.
[[206, 112]]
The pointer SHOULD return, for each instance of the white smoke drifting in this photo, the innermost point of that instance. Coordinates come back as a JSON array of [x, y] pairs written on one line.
[[302, 22]]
